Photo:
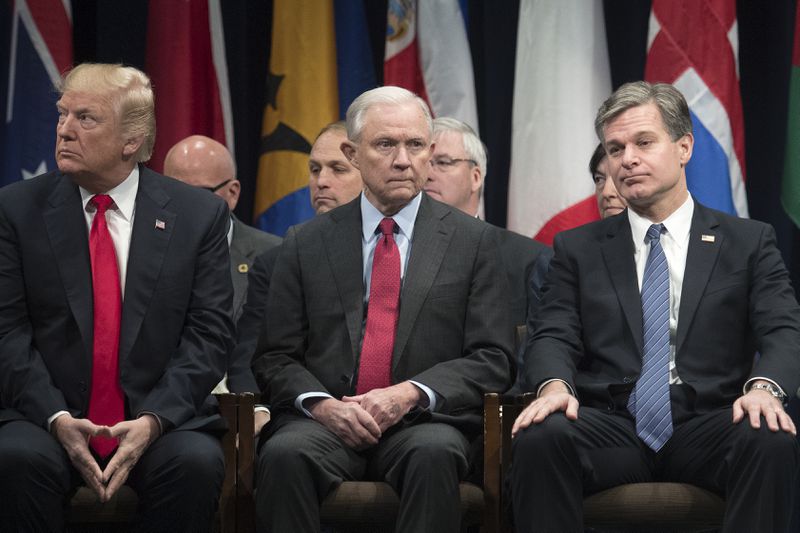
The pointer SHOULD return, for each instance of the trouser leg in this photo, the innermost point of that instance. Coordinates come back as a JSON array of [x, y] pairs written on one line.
[[555, 463], [178, 480]]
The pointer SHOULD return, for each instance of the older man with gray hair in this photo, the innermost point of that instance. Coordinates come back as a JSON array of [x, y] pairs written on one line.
[[362, 387], [456, 177]]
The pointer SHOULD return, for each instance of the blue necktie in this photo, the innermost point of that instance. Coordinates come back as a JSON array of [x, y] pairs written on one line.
[[649, 401]]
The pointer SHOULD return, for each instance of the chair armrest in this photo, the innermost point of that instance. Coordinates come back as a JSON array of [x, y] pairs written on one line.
[[227, 500], [499, 413], [245, 472]]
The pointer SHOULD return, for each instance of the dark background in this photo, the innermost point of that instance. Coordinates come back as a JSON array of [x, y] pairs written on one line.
[[115, 31]]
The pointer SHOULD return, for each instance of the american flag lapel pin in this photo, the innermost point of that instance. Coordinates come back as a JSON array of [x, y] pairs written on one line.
[[707, 238], [160, 224]]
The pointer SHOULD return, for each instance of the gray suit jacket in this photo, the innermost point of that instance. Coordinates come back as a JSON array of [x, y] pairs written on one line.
[[453, 334], [247, 243]]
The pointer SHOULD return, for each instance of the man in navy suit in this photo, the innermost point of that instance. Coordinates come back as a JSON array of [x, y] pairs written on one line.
[[115, 320], [617, 403]]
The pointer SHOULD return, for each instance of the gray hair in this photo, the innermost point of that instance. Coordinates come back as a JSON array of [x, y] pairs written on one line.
[[669, 101], [130, 93], [473, 146], [381, 95]]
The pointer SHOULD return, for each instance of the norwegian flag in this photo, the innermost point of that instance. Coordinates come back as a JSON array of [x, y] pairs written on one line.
[[39, 51], [694, 45]]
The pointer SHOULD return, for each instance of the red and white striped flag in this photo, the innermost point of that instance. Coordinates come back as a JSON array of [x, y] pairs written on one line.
[[186, 63], [562, 76], [427, 52], [694, 45]]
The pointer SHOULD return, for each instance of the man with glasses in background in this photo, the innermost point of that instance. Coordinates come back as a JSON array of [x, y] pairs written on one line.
[[456, 177]]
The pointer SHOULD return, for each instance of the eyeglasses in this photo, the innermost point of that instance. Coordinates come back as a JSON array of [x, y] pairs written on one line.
[[445, 163], [218, 187]]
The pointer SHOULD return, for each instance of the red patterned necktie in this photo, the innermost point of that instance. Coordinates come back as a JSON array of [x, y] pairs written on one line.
[[106, 402], [374, 369]]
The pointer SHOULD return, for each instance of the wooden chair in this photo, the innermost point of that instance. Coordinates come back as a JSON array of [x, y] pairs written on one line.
[[361, 506], [85, 513]]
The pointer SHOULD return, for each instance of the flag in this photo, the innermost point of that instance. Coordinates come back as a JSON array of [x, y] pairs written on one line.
[[355, 71], [693, 44], [302, 97], [790, 193], [561, 77], [186, 64], [427, 52], [39, 51]]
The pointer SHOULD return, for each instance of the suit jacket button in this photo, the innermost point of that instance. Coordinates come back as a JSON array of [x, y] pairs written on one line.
[[82, 386]]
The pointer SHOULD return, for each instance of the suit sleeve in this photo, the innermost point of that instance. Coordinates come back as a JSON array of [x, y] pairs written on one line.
[[554, 345], [251, 323], [279, 360], [485, 364], [206, 339], [774, 317], [25, 383]]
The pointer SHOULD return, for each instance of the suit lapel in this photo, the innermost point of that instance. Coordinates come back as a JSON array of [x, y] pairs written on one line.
[[343, 245], [66, 227], [149, 242], [700, 260], [430, 241], [618, 255]]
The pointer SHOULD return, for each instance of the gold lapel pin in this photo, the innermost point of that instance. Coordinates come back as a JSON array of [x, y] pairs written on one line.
[[707, 238], [243, 268]]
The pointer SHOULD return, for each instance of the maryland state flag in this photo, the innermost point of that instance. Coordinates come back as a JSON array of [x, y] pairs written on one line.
[[302, 98]]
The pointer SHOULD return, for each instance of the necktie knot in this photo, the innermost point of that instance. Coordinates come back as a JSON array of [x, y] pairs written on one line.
[[102, 202], [654, 233], [387, 226]]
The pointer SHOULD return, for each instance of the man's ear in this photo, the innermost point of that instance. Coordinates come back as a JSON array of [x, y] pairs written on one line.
[[349, 151], [686, 146], [476, 179], [132, 146]]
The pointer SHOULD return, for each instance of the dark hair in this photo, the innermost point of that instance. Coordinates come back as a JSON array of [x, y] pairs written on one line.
[[597, 156]]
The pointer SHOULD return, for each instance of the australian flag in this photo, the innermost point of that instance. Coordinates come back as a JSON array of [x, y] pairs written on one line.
[[35, 49]]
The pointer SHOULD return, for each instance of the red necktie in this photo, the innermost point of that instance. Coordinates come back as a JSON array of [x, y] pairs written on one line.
[[106, 402], [374, 369]]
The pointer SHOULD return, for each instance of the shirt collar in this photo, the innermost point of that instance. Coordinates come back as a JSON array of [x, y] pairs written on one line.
[[371, 217], [678, 224], [124, 194]]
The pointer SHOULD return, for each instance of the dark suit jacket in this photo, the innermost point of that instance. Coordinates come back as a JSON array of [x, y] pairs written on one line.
[[519, 255], [453, 333], [176, 328], [736, 300], [251, 322], [246, 244]]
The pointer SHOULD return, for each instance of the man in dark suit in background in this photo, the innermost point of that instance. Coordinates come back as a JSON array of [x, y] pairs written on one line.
[[368, 380], [115, 320], [332, 181], [456, 177], [642, 355], [205, 163]]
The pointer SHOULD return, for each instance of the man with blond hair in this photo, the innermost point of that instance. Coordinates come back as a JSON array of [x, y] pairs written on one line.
[[115, 320]]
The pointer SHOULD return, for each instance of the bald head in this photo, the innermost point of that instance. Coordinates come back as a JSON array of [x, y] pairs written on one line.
[[203, 162]]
